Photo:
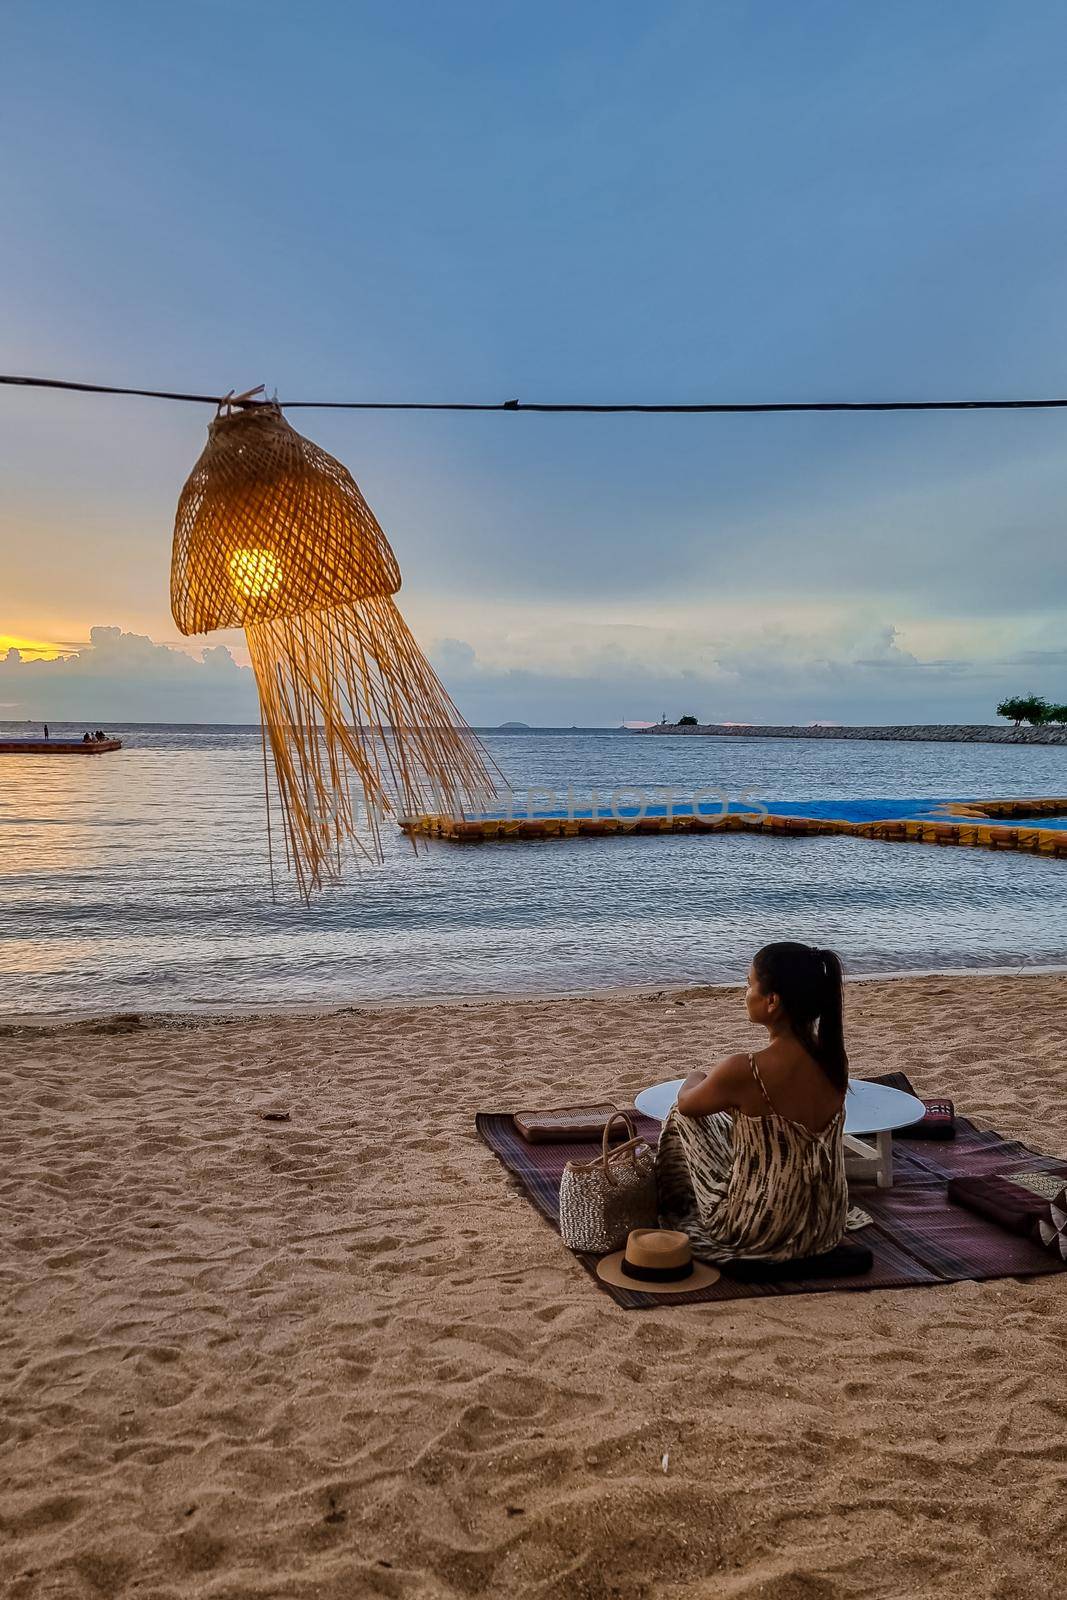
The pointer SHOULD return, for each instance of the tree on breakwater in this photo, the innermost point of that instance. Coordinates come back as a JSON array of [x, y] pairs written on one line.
[[1031, 708]]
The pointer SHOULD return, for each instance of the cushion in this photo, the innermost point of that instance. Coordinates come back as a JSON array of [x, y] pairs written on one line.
[[845, 1260], [938, 1123]]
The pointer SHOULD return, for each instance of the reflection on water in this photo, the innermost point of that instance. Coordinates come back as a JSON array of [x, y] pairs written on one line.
[[140, 879]]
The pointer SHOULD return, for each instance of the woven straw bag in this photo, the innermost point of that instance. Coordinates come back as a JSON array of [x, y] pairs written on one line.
[[600, 1201]]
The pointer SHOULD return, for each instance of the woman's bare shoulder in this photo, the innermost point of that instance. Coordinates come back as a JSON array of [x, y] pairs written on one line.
[[734, 1067], [732, 1074], [720, 1087]]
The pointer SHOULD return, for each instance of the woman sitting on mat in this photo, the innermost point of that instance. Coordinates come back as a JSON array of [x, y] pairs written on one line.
[[751, 1159]]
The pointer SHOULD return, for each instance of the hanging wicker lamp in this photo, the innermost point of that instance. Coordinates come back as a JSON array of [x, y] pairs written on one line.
[[273, 536]]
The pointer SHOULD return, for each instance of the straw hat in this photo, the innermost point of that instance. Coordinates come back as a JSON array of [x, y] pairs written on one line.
[[656, 1261]]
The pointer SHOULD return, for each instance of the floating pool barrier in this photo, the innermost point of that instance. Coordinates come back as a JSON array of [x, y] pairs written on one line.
[[1037, 826]]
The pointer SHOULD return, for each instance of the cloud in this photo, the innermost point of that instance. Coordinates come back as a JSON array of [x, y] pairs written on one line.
[[603, 674], [855, 668], [1041, 659], [126, 677]]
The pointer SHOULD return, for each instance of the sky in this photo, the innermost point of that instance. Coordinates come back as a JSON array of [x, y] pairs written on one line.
[[713, 201]]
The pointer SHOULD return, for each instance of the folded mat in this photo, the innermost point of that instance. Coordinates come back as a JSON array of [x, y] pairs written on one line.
[[570, 1124], [916, 1236]]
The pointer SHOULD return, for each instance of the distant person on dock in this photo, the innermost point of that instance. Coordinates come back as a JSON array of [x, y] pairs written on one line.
[[751, 1160]]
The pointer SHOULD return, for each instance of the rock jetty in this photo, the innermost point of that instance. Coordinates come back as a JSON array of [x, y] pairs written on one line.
[[941, 733]]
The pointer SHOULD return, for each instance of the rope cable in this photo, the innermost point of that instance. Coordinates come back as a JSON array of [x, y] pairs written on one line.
[[716, 408]]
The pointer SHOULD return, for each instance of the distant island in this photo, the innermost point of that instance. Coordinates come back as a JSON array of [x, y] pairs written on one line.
[[942, 733], [513, 727]]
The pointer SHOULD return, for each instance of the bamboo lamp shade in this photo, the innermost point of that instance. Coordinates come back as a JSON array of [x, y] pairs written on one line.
[[269, 524], [273, 535]]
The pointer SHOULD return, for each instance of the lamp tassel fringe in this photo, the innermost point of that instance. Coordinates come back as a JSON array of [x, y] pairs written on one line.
[[350, 703]]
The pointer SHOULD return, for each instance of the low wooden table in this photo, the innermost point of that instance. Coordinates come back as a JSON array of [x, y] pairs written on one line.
[[872, 1112]]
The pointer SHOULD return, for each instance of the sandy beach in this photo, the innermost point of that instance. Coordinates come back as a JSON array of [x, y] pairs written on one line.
[[339, 1355]]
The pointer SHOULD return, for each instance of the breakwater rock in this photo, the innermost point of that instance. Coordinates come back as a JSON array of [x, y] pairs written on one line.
[[943, 733]]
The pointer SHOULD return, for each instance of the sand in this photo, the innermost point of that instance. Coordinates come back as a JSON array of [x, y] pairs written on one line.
[[340, 1356]]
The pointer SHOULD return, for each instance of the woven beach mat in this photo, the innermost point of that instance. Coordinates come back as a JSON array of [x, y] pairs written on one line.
[[916, 1236]]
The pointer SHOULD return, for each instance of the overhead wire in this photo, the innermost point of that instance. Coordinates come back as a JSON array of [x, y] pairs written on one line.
[[710, 408]]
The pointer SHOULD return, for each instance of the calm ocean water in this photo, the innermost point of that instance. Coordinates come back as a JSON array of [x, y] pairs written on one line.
[[139, 880]]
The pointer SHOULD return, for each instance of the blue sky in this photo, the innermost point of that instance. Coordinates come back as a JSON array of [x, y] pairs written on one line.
[[566, 202]]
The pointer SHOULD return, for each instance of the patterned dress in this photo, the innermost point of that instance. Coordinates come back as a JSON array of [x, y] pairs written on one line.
[[762, 1188]]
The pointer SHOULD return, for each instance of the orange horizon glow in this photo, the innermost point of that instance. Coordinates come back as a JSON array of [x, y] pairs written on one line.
[[34, 649]]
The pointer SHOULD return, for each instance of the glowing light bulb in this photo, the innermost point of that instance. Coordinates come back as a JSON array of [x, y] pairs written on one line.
[[255, 573]]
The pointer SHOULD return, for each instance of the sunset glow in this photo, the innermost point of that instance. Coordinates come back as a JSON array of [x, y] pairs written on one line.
[[33, 649]]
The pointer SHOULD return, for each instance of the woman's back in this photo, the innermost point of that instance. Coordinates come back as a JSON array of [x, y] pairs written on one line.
[[783, 1078]]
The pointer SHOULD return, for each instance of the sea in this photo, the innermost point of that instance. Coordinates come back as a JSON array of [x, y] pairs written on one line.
[[139, 881]]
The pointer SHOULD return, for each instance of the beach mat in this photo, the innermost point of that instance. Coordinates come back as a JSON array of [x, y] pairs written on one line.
[[916, 1236]]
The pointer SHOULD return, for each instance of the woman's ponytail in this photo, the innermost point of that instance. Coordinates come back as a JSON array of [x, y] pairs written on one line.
[[830, 1030]]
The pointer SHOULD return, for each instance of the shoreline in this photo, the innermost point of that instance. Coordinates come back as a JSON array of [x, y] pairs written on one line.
[[13, 1022]]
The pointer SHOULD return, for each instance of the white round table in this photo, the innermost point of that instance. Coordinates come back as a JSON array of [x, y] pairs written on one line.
[[871, 1109]]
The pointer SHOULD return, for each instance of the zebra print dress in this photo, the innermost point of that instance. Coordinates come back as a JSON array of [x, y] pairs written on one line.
[[762, 1188]]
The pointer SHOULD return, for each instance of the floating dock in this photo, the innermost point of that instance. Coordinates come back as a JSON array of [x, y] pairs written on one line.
[[58, 747], [1037, 826]]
